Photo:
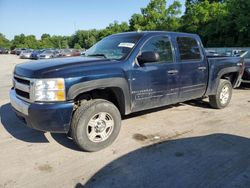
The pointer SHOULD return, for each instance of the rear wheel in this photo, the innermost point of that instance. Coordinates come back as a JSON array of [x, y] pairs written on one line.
[[223, 95], [95, 125]]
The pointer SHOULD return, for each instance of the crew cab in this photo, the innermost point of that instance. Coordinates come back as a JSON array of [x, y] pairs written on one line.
[[85, 97]]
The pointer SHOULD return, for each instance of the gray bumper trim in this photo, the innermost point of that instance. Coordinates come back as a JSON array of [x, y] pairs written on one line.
[[19, 105]]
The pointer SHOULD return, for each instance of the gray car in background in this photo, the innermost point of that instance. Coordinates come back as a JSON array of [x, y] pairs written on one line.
[[36, 54], [47, 54], [20, 50], [26, 54]]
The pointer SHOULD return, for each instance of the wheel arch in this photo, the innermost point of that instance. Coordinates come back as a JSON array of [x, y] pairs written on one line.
[[230, 73], [115, 90]]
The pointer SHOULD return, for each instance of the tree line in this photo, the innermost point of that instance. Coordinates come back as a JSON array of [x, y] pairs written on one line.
[[220, 23]]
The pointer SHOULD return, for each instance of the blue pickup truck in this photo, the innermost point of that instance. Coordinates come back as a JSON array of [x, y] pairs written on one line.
[[85, 97]]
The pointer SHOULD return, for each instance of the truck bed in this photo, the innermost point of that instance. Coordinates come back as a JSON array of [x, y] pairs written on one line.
[[218, 66]]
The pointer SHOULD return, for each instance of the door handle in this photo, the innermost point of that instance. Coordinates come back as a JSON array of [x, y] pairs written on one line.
[[202, 68], [172, 72]]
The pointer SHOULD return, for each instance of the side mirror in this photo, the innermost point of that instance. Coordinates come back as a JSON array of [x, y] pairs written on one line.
[[148, 57]]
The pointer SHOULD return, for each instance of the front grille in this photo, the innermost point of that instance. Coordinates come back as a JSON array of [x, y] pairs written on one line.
[[23, 81], [22, 87], [22, 93]]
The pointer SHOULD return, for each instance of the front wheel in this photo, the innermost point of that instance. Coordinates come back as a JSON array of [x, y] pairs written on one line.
[[95, 124], [223, 95]]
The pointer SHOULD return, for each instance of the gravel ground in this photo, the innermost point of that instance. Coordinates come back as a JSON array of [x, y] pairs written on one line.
[[183, 145]]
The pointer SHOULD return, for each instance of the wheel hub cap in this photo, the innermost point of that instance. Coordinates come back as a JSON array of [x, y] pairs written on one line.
[[100, 127], [224, 95]]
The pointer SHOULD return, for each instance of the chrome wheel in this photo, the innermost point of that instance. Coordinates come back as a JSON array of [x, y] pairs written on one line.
[[224, 95], [100, 127]]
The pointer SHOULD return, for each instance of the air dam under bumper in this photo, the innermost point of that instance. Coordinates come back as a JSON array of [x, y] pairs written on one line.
[[51, 117]]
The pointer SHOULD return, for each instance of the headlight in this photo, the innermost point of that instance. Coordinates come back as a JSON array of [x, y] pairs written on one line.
[[47, 90]]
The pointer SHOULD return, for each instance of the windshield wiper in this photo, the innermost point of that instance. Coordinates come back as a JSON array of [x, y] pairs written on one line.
[[96, 55]]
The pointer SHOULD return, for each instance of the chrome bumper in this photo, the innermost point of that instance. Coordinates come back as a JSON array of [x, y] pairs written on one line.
[[19, 105]]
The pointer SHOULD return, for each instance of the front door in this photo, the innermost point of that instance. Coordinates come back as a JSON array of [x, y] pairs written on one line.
[[155, 84]]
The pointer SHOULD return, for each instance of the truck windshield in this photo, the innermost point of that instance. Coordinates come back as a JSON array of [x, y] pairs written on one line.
[[116, 47]]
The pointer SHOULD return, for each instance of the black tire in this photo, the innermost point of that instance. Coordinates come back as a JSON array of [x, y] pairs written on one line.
[[215, 101], [83, 115]]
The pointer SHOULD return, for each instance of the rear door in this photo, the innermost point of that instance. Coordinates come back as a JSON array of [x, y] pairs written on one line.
[[193, 68], [156, 83]]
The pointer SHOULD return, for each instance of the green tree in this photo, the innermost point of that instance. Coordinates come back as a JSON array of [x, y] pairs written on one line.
[[85, 38], [59, 42], [31, 42], [46, 41], [54, 41], [137, 22], [77, 46], [18, 41], [219, 23], [237, 23], [22, 41], [206, 19], [113, 28], [4, 43], [156, 16], [45, 35], [65, 42]]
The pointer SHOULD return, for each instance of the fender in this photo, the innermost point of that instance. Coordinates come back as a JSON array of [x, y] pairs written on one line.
[[121, 83], [215, 79]]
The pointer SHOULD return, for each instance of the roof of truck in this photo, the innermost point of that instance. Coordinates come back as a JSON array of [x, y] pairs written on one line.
[[156, 32]]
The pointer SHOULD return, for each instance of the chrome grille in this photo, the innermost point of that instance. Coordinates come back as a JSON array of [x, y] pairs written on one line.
[[22, 87]]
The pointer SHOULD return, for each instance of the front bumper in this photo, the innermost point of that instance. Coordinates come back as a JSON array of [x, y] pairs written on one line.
[[51, 117], [44, 57], [25, 56]]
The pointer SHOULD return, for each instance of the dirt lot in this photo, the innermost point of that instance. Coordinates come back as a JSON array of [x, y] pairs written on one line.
[[184, 145]]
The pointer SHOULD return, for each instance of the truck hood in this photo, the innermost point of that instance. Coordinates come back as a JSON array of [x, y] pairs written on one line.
[[59, 67]]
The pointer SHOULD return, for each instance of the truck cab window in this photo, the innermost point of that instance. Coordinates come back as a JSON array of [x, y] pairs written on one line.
[[188, 48], [160, 45]]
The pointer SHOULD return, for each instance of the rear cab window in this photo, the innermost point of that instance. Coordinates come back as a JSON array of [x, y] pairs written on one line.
[[189, 49]]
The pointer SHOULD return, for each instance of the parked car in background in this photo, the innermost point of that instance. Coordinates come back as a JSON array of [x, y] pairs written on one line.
[[211, 53], [13, 51], [4, 51], [26, 54], [47, 54], [76, 52], [234, 52], [19, 50], [82, 52], [65, 53], [70, 53], [36, 54]]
